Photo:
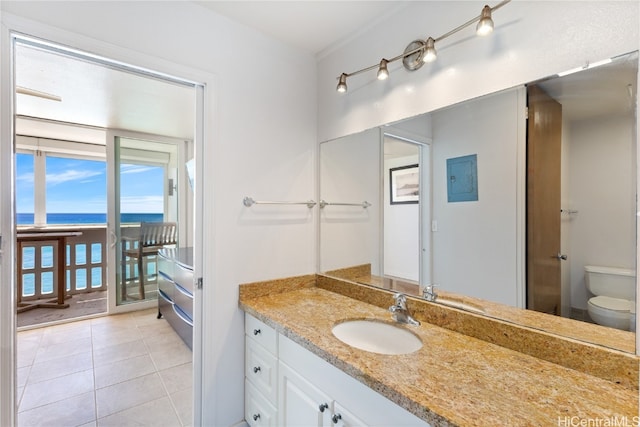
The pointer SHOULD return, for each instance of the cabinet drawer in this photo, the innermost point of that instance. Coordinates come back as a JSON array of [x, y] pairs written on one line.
[[166, 285], [165, 265], [183, 277], [258, 412], [261, 369], [183, 299], [261, 333]]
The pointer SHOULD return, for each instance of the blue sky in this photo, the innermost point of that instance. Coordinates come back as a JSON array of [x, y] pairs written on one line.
[[80, 186]]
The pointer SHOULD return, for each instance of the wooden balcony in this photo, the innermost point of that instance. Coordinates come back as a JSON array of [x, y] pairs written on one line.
[[39, 264]]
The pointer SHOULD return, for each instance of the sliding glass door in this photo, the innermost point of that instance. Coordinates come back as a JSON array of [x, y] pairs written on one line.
[[145, 211]]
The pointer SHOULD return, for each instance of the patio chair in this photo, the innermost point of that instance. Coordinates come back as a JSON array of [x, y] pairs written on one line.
[[153, 236]]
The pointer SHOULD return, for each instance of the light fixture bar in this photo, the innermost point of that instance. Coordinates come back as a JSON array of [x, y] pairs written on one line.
[[37, 93], [342, 78]]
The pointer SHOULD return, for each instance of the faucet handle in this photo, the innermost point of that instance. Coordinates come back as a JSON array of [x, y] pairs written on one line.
[[400, 298], [429, 292]]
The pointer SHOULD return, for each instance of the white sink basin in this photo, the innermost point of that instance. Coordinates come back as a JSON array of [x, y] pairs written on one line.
[[377, 337]]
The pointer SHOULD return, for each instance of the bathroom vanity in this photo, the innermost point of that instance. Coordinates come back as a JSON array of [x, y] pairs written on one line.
[[297, 370], [175, 290], [287, 385]]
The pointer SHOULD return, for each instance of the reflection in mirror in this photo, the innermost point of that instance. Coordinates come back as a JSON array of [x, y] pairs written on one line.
[[350, 233], [477, 243], [401, 212]]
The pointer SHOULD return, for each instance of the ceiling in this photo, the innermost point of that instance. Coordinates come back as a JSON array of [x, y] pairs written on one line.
[[95, 95], [603, 90], [314, 26]]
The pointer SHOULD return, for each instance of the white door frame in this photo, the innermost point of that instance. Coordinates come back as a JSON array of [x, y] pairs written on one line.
[[205, 136], [425, 272]]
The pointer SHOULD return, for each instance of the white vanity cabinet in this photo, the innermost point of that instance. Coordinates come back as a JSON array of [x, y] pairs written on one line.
[[261, 373], [302, 404], [286, 385], [314, 392]]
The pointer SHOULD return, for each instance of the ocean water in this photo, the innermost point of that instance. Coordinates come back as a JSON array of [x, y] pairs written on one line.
[[89, 218], [46, 255]]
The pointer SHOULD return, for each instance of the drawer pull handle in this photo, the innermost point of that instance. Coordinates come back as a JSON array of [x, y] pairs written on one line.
[[256, 369], [323, 406], [256, 417], [336, 418], [256, 331]]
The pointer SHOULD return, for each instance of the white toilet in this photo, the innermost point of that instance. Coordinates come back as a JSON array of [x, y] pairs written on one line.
[[615, 292]]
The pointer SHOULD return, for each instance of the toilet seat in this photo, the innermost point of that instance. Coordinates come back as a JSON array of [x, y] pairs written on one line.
[[614, 304]]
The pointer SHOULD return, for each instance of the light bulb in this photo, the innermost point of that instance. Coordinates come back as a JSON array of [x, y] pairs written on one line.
[[342, 83], [430, 53], [485, 24], [383, 72]]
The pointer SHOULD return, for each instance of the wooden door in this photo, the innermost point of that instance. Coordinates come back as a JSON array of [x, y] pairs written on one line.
[[544, 137]]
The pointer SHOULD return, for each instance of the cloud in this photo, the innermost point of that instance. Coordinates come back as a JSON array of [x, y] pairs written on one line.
[[128, 169], [71, 175], [26, 177], [141, 204]]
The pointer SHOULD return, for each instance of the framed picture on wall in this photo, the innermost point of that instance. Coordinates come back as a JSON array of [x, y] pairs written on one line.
[[404, 183]]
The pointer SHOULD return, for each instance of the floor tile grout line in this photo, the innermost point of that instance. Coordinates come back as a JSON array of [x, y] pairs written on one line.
[[164, 385]]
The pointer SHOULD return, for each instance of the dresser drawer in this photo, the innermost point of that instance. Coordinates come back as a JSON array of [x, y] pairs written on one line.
[[183, 299], [165, 265], [258, 411], [261, 369], [261, 333], [183, 277], [166, 285]]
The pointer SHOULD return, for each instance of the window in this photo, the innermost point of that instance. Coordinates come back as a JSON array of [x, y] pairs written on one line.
[[24, 188], [76, 191]]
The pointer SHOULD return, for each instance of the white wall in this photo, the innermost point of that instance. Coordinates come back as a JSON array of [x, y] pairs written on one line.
[[263, 126], [533, 39], [602, 189], [350, 173], [474, 249]]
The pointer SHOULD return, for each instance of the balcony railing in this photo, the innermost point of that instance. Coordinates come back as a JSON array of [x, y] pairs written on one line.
[[85, 262]]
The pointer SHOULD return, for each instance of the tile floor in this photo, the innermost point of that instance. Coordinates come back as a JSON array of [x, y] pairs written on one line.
[[124, 370]]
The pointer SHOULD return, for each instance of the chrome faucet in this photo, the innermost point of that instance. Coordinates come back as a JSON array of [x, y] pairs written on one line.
[[400, 312], [429, 293]]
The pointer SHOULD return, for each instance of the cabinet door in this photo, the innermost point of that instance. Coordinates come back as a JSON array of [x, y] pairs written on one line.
[[300, 403]]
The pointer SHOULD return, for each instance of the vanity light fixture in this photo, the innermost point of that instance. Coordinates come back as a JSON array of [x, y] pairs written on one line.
[[485, 24], [430, 53], [420, 51], [383, 72], [342, 84]]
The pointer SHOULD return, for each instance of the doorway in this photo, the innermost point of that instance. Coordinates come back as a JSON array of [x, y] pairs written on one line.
[[581, 189], [93, 136]]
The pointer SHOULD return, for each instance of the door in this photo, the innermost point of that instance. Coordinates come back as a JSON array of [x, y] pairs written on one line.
[[300, 403], [143, 187], [544, 137]]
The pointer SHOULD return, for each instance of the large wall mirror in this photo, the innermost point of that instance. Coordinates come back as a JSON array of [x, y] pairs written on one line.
[[508, 215]]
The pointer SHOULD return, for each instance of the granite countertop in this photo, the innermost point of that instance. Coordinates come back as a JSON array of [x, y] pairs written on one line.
[[454, 379]]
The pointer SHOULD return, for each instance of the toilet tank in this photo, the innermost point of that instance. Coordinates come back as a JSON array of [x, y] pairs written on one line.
[[611, 281]]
